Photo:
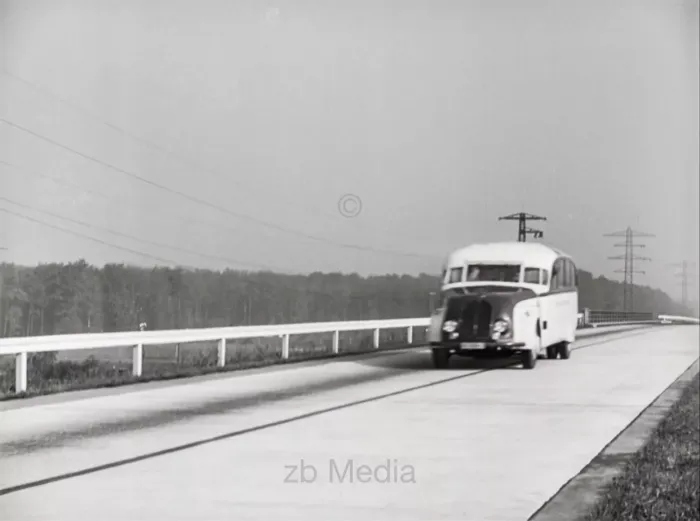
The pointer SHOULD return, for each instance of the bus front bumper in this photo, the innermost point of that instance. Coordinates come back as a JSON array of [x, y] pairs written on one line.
[[488, 347]]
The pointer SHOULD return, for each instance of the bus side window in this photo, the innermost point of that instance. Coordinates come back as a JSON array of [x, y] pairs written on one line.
[[531, 276], [557, 275], [545, 277], [572, 274], [567, 280]]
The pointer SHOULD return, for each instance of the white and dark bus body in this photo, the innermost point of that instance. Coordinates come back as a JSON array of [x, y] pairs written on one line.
[[506, 299]]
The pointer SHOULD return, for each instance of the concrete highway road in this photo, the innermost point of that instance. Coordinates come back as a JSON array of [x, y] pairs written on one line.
[[381, 436]]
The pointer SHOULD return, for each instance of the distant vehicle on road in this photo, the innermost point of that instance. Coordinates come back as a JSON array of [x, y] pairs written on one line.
[[506, 299]]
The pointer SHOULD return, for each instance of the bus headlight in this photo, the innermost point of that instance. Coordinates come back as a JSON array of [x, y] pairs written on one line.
[[449, 326], [500, 328]]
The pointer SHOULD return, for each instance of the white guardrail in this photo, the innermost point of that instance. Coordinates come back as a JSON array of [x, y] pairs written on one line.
[[20, 347]]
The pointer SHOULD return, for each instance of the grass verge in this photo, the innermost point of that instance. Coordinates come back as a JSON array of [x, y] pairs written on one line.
[[662, 481]]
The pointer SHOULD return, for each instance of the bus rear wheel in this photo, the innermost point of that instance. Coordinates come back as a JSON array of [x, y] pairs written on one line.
[[564, 350]]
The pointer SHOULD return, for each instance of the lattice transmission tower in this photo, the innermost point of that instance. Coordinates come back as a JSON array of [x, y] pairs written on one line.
[[523, 230], [629, 257], [685, 276]]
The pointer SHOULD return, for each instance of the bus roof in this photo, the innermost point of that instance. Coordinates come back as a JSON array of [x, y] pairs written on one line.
[[534, 253]]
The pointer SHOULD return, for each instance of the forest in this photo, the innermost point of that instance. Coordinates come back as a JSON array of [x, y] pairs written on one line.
[[76, 297]]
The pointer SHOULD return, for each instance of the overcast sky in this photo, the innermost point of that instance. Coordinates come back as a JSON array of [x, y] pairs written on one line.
[[230, 129]]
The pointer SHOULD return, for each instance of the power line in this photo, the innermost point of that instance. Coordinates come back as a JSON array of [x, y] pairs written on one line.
[[145, 241], [120, 200], [249, 282], [133, 137], [124, 132], [523, 230], [115, 232], [93, 239], [126, 201], [130, 250], [208, 204], [629, 257]]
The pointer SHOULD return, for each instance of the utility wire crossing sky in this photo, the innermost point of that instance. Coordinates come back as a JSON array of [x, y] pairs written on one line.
[[347, 136]]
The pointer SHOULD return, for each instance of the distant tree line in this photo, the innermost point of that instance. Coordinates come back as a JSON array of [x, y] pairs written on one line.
[[79, 298]]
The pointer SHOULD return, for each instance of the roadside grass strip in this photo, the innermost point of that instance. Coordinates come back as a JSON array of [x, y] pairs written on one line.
[[662, 481]]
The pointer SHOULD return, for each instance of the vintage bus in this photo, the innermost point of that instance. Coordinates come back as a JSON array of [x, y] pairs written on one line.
[[506, 299]]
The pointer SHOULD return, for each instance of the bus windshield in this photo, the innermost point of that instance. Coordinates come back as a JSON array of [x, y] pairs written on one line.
[[493, 272]]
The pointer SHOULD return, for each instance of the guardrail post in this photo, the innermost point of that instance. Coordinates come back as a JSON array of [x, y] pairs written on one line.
[[336, 342], [375, 339], [285, 347], [221, 353], [137, 360], [21, 373], [410, 334]]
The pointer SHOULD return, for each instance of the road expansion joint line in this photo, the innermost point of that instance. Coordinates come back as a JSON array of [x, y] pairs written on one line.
[[234, 434]]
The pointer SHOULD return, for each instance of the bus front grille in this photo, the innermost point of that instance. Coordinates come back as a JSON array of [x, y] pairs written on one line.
[[476, 321]]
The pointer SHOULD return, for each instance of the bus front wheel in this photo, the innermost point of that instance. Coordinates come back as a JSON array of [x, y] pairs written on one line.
[[441, 358], [529, 359]]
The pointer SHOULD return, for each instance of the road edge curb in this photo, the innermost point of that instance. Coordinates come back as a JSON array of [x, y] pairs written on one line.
[[578, 495]]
